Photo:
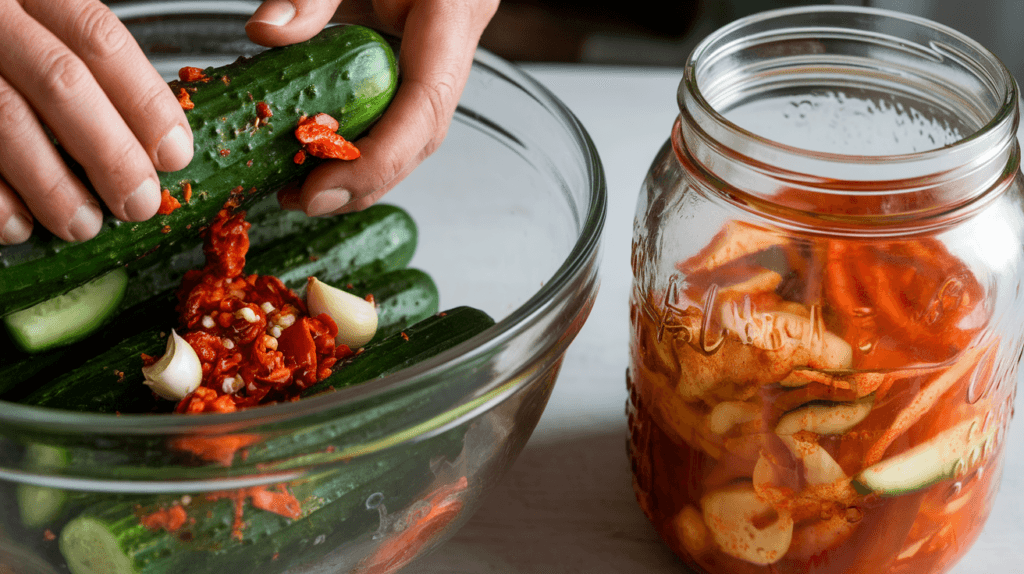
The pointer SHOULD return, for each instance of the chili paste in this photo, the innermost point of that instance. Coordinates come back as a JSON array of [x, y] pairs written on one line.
[[253, 335]]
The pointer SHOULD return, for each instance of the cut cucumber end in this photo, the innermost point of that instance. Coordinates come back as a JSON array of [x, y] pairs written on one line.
[[38, 506], [70, 317], [90, 548]]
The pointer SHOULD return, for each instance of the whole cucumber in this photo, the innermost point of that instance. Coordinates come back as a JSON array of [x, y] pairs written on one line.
[[349, 72]]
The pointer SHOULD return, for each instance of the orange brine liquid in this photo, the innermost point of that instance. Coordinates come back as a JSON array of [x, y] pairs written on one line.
[[830, 409]]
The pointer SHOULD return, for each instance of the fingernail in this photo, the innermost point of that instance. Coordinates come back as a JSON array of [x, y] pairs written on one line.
[[86, 222], [17, 230], [328, 201], [274, 13], [143, 202], [175, 150]]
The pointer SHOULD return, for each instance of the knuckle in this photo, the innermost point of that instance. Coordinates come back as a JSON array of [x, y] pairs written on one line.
[[15, 116], [157, 106], [393, 165], [482, 10], [442, 96], [100, 34], [434, 143], [64, 75], [53, 190]]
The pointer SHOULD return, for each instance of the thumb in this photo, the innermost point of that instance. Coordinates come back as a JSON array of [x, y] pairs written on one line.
[[283, 22]]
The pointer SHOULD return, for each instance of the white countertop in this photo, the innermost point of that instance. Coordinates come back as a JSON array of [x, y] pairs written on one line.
[[567, 504]]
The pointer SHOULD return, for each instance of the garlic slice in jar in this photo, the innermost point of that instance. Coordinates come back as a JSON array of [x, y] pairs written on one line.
[[745, 526]]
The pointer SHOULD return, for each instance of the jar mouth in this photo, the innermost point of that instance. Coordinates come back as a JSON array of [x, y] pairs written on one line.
[[769, 88]]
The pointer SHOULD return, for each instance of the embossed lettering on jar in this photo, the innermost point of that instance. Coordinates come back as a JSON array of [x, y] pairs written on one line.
[[826, 308]]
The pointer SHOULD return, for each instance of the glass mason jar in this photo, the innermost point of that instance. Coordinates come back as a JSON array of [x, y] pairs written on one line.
[[826, 307]]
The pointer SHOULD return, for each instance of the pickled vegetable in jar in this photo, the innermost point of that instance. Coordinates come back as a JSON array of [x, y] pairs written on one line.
[[826, 308]]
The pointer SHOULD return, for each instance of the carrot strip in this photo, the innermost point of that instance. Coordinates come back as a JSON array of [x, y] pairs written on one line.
[[923, 402]]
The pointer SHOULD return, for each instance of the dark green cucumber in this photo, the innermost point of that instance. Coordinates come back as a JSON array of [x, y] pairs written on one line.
[[414, 344], [378, 239], [346, 71], [112, 381], [403, 297], [270, 224], [109, 537], [357, 247], [426, 339]]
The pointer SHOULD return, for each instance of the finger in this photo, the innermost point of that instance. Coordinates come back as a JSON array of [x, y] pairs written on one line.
[[283, 22], [124, 73], [60, 87], [439, 40], [15, 218], [34, 170]]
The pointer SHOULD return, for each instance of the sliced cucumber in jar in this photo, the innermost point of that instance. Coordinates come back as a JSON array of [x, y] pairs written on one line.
[[944, 456], [69, 317]]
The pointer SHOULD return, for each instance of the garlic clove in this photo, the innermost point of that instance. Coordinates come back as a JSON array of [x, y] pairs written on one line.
[[356, 317], [177, 373]]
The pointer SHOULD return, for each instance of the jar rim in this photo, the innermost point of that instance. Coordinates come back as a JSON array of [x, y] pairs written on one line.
[[996, 132]]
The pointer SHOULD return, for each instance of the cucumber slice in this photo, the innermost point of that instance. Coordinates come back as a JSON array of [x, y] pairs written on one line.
[[90, 547], [944, 456], [70, 317], [41, 505]]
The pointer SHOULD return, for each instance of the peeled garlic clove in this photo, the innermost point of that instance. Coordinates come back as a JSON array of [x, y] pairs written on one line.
[[177, 373], [356, 317]]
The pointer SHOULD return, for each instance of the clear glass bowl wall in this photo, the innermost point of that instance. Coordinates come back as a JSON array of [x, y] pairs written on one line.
[[509, 211]]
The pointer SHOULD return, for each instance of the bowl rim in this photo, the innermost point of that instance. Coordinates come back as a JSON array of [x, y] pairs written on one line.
[[557, 288]]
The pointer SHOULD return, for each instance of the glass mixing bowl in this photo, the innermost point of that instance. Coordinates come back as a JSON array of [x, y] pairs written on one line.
[[510, 211]]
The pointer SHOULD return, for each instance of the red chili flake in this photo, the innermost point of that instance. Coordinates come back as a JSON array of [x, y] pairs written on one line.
[[317, 134], [120, 376], [322, 119], [278, 501], [336, 147], [300, 157], [185, 100], [165, 229], [191, 74], [167, 203], [263, 111], [169, 519], [369, 298], [404, 336], [248, 163], [225, 152], [219, 449], [225, 80], [49, 536], [186, 190]]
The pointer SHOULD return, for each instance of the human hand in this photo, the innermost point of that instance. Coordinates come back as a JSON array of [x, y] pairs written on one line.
[[72, 67], [439, 38]]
